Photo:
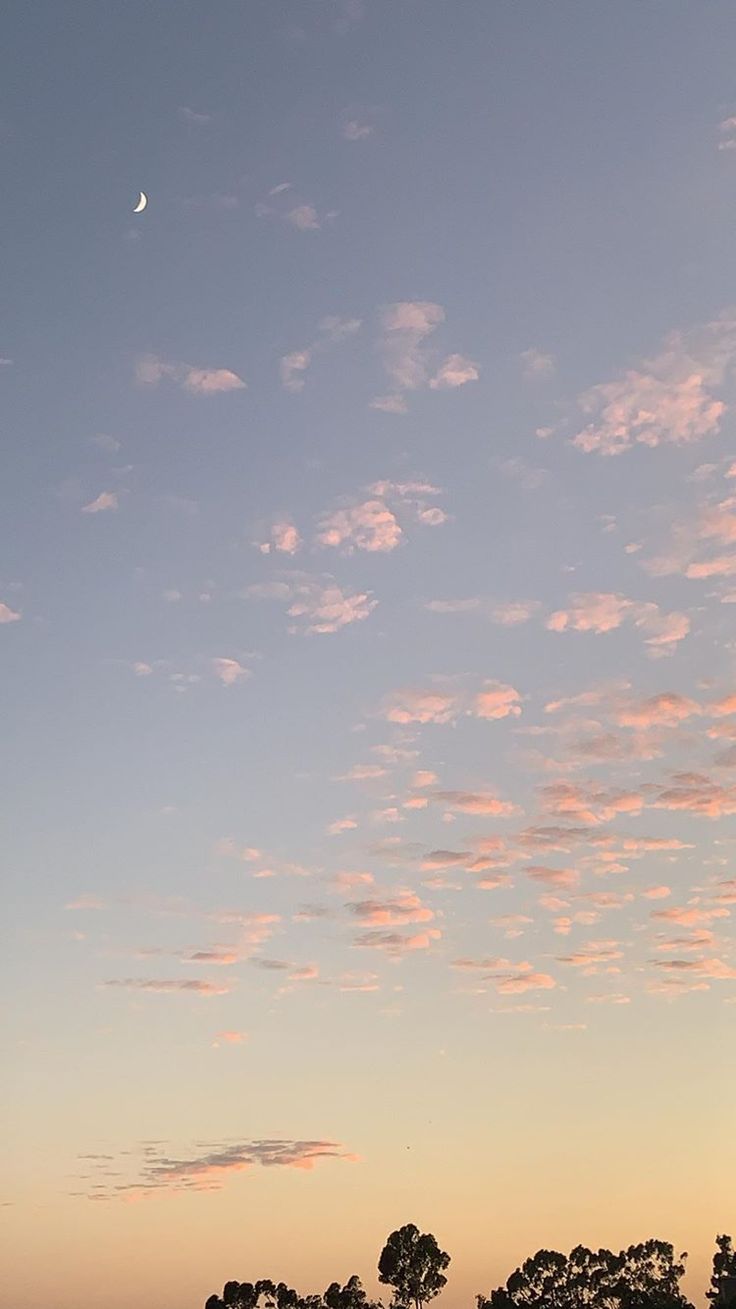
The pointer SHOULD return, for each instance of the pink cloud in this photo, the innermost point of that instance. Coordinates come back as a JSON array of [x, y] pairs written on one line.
[[105, 500], [318, 603], [595, 612], [553, 876], [721, 566], [603, 611], [445, 859], [198, 381], [212, 381], [715, 969], [222, 956], [285, 539], [475, 802], [8, 615], [307, 973], [369, 526], [515, 612], [396, 944], [402, 909], [348, 881], [208, 1169], [518, 983], [232, 1038], [665, 709], [722, 708], [455, 371], [497, 701], [229, 671], [670, 401], [341, 825], [423, 707], [689, 916], [594, 953], [588, 804], [698, 794], [657, 892]]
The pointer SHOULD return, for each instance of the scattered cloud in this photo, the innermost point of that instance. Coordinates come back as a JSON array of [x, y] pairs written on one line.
[[602, 611], [394, 943], [285, 539], [406, 327], [455, 371], [497, 700], [197, 381], [318, 604], [229, 671], [669, 400], [368, 526]]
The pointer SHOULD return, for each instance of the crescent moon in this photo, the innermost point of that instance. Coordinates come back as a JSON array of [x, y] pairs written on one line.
[[142, 202]]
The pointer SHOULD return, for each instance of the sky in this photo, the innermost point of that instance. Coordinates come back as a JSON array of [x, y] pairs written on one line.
[[367, 637]]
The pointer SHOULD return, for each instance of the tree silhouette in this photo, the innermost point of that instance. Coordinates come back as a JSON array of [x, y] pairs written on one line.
[[412, 1263], [642, 1277], [266, 1294], [350, 1296], [722, 1293]]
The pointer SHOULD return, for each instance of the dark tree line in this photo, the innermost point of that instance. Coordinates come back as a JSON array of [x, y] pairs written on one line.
[[645, 1276]]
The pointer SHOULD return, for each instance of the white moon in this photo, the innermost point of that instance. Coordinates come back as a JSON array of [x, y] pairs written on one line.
[[142, 202]]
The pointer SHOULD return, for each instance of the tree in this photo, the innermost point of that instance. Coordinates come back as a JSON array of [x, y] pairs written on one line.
[[412, 1263], [642, 1277], [350, 1296], [264, 1294], [722, 1293]]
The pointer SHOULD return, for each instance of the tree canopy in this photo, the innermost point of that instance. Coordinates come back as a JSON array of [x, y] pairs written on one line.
[[643, 1276], [266, 1294], [412, 1263], [722, 1293]]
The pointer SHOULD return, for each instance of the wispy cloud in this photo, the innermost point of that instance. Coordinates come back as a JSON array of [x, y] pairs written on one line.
[[333, 330], [209, 1168], [179, 986], [537, 365]]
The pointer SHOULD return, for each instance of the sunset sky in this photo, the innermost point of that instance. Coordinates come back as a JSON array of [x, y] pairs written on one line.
[[367, 600]]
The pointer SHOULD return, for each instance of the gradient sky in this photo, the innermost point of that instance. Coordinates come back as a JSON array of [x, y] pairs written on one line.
[[366, 624]]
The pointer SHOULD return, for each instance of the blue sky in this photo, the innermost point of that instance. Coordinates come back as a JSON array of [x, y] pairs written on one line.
[[366, 617]]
